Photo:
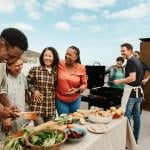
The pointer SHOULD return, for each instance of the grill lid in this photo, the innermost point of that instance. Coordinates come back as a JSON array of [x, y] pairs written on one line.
[[95, 76]]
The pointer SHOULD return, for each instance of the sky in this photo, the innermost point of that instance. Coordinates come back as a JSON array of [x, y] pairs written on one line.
[[96, 27]]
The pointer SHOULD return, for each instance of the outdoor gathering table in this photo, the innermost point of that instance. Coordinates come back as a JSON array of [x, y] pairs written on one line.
[[117, 137]]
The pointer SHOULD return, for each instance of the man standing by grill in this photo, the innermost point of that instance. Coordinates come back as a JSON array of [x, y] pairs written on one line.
[[133, 93]]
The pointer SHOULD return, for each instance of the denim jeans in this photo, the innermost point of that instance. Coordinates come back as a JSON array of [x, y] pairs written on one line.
[[133, 108], [67, 107]]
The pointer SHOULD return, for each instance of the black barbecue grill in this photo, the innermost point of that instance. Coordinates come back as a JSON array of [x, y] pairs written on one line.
[[100, 96]]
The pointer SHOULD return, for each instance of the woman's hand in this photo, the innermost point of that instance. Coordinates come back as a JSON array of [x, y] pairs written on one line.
[[73, 91], [38, 97]]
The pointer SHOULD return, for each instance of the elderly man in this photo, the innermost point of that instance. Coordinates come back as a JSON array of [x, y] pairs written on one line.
[[12, 45], [17, 93]]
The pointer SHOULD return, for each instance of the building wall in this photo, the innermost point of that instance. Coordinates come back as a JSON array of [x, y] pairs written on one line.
[[27, 67], [145, 56]]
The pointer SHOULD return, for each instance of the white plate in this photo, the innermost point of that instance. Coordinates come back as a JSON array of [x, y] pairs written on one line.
[[97, 128]]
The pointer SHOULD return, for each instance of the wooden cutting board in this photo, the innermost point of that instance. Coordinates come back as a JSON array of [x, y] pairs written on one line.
[[50, 125]]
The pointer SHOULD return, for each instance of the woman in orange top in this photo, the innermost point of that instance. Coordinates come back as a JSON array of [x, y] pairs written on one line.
[[72, 82]]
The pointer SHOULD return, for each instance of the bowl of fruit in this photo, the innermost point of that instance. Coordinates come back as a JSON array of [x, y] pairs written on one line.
[[116, 112], [76, 134]]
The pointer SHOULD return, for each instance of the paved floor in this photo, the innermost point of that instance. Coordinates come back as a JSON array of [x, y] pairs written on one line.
[[144, 141]]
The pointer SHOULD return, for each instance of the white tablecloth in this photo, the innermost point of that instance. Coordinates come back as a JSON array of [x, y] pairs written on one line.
[[117, 138]]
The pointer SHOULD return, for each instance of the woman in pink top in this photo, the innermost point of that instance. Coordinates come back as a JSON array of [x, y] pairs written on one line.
[[72, 82]]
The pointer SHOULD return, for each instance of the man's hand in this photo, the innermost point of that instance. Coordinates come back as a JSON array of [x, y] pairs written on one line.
[[144, 81], [14, 111], [9, 112], [7, 125], [4, 100], [5, 112]]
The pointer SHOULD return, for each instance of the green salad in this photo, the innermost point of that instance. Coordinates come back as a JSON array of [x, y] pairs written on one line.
[[17, 141], [47, 138]]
